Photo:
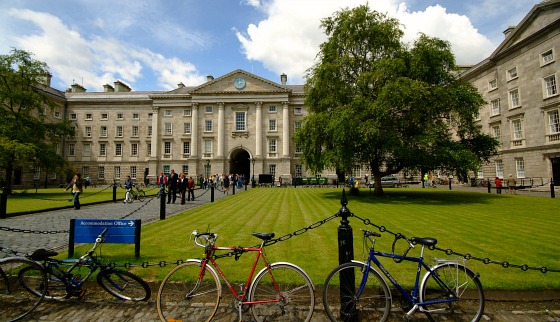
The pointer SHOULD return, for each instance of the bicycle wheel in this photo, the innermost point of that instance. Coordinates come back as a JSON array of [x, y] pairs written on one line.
[[128, 197], [56, 288], [124, 285], [187, 294], [141, 195], [16, 301], [341, 302], [460, 280], [297, 292]]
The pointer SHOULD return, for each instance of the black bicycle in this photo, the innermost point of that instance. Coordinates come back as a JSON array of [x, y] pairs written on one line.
[[65, 283]]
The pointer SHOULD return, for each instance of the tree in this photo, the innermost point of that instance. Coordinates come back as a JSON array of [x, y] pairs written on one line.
[[375, 101], [26, 130]]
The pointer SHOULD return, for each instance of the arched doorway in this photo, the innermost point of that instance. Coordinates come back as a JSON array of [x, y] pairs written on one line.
[[240, 163]]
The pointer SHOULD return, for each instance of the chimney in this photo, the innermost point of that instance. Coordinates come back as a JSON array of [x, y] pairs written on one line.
[[108, 88], [121, 87], [180, 85], [509, 30], [77, 88], [283, 79], [209, 78]]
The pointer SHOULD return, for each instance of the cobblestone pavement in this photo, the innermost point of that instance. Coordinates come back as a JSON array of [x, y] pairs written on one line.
[[505, 307]]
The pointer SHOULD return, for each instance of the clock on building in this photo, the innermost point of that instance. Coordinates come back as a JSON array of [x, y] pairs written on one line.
[[239, 82]]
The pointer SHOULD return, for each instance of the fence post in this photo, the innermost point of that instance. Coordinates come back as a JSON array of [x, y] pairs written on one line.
[[114, 192], [4, 203], [345, 255], [162, 197], [212, 191], [552, 194]]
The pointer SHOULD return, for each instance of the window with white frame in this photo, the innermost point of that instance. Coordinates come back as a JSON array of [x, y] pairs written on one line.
[[208, 126], [85, 171], [550, 86], [514, 99], [208, 109], [166, 169], [117, 171], [134, 149], [120, 116], [272, 109], [240, 122], [499, 168], [103, 132], [272, 125], [299, 170], [298, 110], [187, 128], [272, 145], [119, 131], [104, 116], [56, 147], [133, 171], [73, 116], [57, 114], [118, 149], [187, 112], [493, 84], [547, 57], [272, 169], [37, 173], [496, 131], [89, 116], [480, 174], [357, 171], [54, 176], [102, 149], [135, 131], [88, 131], [168, 128], [101, 172], [168, 113], [167, 147], [207, 148], [149, 130], [185, 169], [517, 129], [186, 147], [297, 125], [86, 149], [495, 104], [553, 122], [149, 149], [520, 167], [135, 116], [71, 149], [512, 73]]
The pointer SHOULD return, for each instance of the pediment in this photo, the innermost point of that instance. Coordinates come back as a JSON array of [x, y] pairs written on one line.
[[247, 83]]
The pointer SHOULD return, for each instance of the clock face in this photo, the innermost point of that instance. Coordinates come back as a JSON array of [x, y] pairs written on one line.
[[239, 82]]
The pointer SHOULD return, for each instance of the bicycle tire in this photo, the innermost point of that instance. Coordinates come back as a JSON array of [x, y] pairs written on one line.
[[141, 195], [295, 286], [464, 282], [128, 197], [124, 285], [16, 302], [187, 294], [342, 303], [56, 288]]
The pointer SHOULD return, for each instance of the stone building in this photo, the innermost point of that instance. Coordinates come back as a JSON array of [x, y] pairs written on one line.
[[519, 83]]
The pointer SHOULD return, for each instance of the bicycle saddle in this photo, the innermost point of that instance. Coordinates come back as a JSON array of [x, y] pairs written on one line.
[[264, 236], [427, 241], [42, 254]]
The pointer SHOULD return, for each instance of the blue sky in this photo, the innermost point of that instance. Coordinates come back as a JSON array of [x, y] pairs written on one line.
[[156, 44]]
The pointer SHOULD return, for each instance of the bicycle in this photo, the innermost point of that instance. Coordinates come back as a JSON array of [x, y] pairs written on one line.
[[356, 291], [132, 194], [63, 283], [192, 290], [16, 301]]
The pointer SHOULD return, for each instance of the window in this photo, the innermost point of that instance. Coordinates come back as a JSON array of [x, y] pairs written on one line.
[[553, 122], [71, 149], [272, 125], [37, 173], [168, 128], [134, 149], [135, 116], [149, 150], [297, 110], [208, 148], [496, 132], [357, 171], [85, 171], [104, 116], [495, 104], [101, 172], [520, 167], [57, 114], [514, 98], [89, 116], [299, 170], [168, 113], [88, 131], [150, 115], [166, 169], [499, 168], [53, 176], [56, 147], [512, 73], [119, 131], [492, 85], [73, 116], [118, 149], [149, 130], [547, 57], [517, 129], [86, 150], [240, 121], [550, 86], [167, 148], [297, 125], [133, 171], [272, 169], [480, 174], [272, 146], [103, 132], [272, 109], [208, 126], [135, 131], [208, 109], [120, 116], [185, 169], [187, 147], [102, 149], [187, 128], [187, 112], [117, 172]]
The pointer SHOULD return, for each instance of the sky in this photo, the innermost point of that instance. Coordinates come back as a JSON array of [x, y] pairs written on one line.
[[153, 45]]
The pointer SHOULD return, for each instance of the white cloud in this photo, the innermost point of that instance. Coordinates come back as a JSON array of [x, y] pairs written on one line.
[[288, 40]]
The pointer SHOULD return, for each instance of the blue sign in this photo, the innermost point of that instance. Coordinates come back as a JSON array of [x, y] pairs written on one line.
[[120, 231]]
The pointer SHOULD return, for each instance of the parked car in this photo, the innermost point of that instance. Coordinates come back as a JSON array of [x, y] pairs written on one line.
[[387, 182]]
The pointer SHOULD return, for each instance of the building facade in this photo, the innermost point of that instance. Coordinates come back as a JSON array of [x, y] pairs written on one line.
[[519, 84]]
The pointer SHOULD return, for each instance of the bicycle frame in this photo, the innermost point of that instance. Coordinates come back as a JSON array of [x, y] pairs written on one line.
[[52, 266]]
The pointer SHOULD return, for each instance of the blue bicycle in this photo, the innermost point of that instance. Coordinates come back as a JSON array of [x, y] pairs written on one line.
[[449, 291]]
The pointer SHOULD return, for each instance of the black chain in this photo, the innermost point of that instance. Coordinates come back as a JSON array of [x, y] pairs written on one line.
[[138, 209], [30, 231], [34, 196], [449, 252]]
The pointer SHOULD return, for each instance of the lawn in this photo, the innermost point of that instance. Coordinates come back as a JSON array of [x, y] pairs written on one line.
[[517, 229]]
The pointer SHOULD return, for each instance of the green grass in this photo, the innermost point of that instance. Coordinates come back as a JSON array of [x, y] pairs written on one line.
[[517, 229]]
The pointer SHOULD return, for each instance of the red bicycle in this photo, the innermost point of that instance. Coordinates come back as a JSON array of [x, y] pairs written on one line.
[[192, 291]]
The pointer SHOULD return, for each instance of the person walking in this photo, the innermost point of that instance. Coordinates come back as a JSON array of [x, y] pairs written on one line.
[[172, 184], [128, 184], [182, 187], [76, 185], [226, 184], [190, 188], [511, 182], [426, 180], [498, 183]]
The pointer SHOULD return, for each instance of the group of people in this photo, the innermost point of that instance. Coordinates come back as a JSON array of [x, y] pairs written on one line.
[[177, 183], [510, 184]]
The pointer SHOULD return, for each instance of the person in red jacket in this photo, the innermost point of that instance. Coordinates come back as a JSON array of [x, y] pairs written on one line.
[[498, 183], [162, 180]]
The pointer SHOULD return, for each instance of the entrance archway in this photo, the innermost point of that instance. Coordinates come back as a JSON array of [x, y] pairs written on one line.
[[240, 163]]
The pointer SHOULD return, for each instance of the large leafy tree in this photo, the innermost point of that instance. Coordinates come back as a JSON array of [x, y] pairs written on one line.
[[374, 100], [26, 130]]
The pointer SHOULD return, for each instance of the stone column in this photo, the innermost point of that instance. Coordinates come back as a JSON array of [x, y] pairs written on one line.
[[258, 130], [221, 130], [285, 130], [155, 134], [194, 131]]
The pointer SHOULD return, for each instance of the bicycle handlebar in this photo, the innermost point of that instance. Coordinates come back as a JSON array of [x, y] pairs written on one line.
[[209, 238]]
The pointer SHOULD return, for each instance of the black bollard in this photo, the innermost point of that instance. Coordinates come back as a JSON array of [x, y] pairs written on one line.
[[489, 186], [114, 193], [345, 255], [4, 203], [552, 194], [212, 192], [234, 184], [162, 203]]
